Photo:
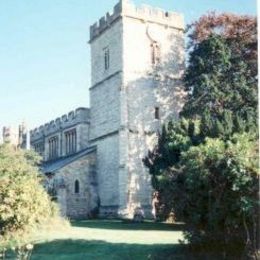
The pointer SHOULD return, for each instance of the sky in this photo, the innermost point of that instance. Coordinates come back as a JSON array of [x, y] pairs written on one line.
[[45, 57]]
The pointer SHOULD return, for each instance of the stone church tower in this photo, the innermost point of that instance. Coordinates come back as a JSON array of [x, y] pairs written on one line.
[[137, 60]]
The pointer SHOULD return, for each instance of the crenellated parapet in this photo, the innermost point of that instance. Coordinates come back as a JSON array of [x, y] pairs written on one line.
[[144, 12], [80, 115], [105, 21]]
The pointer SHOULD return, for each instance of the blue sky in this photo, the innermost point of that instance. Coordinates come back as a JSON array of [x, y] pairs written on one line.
[[45, 58]]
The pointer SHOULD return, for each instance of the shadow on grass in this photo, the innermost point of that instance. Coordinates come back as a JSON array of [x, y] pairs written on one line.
[[95, 249], [80, 249], [126, 225]]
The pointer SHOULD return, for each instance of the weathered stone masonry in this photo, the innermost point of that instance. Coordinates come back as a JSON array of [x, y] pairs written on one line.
[[137, 60], [125, 95]]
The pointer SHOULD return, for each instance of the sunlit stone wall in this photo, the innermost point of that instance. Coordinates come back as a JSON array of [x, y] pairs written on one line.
[[124, 98], [84, 203]]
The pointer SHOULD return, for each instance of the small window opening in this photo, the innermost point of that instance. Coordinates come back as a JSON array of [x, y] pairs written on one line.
[[157, 113], [76, 186], [106, 58], [155, 53]]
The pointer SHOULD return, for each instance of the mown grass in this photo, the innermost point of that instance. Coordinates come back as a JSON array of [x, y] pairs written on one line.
[[112, 239]]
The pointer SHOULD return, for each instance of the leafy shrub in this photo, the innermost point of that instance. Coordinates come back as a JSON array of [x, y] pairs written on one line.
[[220, 182], [24, 205]]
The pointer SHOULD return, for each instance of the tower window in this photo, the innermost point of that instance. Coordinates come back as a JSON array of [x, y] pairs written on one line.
[[76, 187], [106, 58], [157, 113], [155, 53]]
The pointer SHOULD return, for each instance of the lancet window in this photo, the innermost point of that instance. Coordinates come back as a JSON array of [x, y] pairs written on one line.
[[71, 141]]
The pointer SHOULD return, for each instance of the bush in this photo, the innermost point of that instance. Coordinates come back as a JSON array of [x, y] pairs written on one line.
[[24, 204], [216, 194]]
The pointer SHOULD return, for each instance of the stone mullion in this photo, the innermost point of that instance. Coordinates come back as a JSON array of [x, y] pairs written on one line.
[[73, 141], [57, 143], [75, 136], [52, 144], [69, 143], [55, 147], [49, 148], [66, 143]]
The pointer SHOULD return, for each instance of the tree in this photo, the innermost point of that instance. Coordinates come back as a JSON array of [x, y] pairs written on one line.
[[217, 82], [163, 160], [241, 30], [222, 68], [205, 165], [209, 183], [24, 205], [220, 183]]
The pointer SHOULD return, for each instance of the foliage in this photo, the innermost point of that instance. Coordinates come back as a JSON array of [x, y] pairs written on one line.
[[222, 67], [24, 205], [205, 165], [217, 81], [241, 30], [178, 137], [220, 189], [212, 185], [163, 161]]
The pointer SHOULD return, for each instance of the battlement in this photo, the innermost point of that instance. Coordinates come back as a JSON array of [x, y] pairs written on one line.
[[144, 13], [80, 115]]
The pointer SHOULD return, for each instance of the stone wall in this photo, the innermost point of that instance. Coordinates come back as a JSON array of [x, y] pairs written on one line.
[[105, 114], [85, 203], [10, 135], [105, 107], [148, 86], [111, 38], [107, 174], [78, 119], [124, 98]]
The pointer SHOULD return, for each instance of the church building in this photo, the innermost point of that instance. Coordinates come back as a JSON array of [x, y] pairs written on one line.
[[92, 157]]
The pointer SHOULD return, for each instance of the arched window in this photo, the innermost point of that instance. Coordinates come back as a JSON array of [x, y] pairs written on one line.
[[76, 186]]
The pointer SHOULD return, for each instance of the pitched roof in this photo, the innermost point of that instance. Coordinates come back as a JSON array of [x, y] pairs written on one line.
[[51, 166]]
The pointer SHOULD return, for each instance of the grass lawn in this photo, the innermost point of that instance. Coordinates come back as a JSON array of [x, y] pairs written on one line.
[[113, 239], [110, 239]]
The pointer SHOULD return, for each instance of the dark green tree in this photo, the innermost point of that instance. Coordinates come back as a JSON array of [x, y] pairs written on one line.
[[240, 30], [219, 194], [205, 165], [218, 82]]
